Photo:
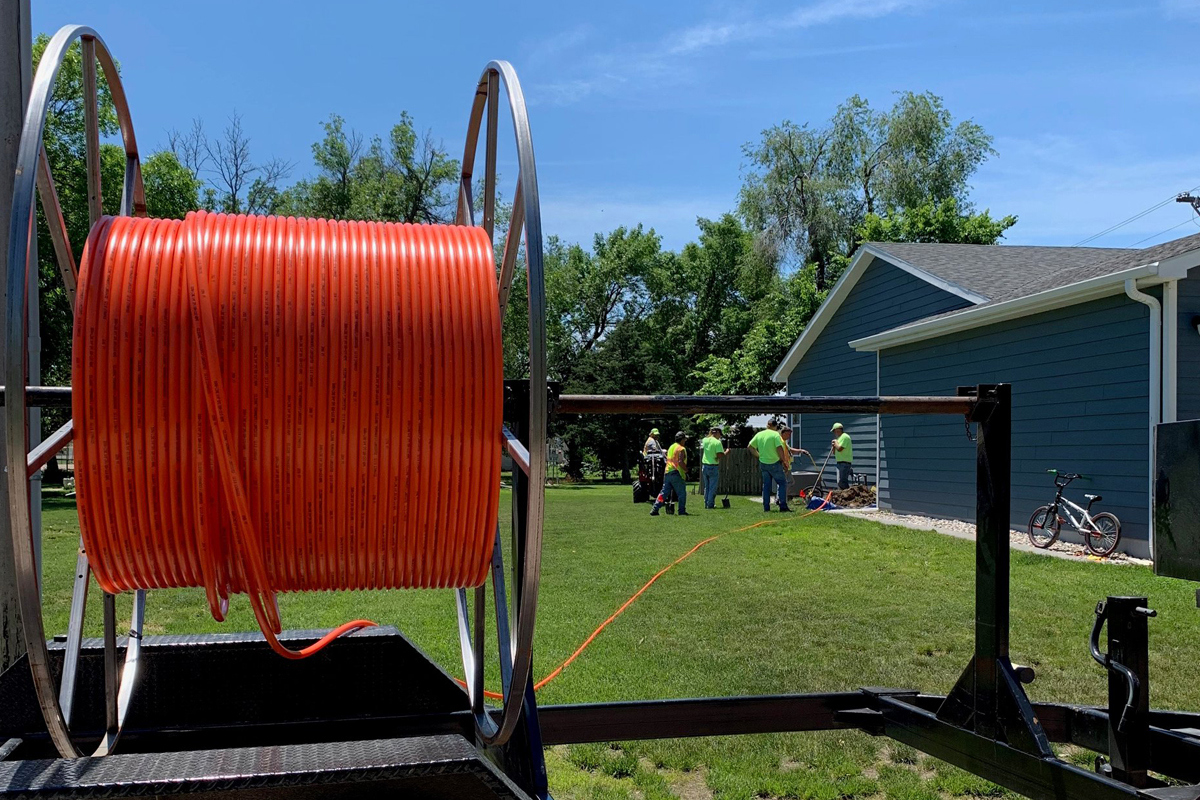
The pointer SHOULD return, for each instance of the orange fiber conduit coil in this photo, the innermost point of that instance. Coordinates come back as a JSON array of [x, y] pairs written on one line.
[[269, 404]]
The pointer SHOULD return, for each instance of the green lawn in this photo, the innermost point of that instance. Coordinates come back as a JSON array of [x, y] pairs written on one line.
[[816, 604]]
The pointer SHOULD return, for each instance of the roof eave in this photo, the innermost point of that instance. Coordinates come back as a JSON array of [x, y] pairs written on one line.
[[1090, 289]]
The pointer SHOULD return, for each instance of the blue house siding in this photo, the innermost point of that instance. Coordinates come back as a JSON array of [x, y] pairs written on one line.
[[1188, 391], [1080, 379], [884, 297]]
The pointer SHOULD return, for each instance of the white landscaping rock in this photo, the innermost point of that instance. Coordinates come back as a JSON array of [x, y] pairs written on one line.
[[966, 530]]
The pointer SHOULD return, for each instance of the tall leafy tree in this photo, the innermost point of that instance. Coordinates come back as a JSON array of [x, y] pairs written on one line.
[[407, 177], [808, 189], [935, 221]]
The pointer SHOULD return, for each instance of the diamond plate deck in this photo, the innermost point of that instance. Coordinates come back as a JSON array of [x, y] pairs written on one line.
[[427, 767], [230, 690]]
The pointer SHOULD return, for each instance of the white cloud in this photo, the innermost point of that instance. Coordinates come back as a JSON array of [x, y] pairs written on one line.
[[549, 48], [715, 34], [658, 60], [1181, 9]]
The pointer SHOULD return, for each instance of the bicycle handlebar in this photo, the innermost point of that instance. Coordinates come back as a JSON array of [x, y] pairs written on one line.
[[1065, 477]]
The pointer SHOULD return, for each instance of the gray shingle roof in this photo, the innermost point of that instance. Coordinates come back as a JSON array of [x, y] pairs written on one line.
[[1001, 275], [996, 270]]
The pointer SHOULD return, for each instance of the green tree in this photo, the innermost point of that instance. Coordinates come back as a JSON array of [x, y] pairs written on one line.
[[172, 190], [231, 181], [935, 221], [808, 190], [406, 178], [779, 321]]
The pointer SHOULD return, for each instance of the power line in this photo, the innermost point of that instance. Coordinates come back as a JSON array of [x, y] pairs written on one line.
[[1135, 217], [1160, 233]]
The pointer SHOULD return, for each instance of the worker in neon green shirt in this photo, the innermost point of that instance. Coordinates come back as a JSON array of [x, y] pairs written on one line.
[[768, 447], [843, 450], [712, 451], [674, 482]]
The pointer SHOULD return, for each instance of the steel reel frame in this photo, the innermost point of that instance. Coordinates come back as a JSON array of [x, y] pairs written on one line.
[[515, 646], [33, 168]]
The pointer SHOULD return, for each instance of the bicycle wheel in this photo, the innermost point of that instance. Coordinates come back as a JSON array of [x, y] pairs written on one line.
[[1044, 527], [1105, 535]]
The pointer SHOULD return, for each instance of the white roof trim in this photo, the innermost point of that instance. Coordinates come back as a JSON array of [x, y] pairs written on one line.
[[862, 259], [928, 277], [1090, 289]]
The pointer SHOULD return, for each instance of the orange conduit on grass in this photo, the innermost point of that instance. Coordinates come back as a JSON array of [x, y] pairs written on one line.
[[269, 405], [621, 610]]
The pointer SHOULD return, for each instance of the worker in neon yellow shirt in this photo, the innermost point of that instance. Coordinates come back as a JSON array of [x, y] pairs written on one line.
[[768, 447], [712, 451], [675, 481], [843, 450]]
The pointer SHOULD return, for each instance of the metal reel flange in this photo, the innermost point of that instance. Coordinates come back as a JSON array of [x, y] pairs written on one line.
[[33, 172], [529, 456]]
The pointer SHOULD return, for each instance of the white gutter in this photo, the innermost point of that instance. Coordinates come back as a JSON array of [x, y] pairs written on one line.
[[1156, 346]]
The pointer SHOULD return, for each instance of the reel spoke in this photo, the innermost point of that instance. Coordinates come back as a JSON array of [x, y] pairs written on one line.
[[63, 254], [91, 118], [500, 598], [66, 691], [512, 246], [516, 450], [489, 162], [48, 448]]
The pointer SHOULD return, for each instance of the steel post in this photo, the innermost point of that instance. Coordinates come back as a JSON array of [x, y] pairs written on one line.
[[16, 70], [988, 698], [1128, 644]]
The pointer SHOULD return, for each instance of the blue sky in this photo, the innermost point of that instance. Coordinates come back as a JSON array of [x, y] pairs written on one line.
[[639, 110]]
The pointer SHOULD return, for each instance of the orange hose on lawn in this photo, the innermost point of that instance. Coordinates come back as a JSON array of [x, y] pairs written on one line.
[[257, 398], [621, 610]]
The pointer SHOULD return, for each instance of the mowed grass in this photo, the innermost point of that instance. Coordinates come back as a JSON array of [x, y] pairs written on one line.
[[820, 603]]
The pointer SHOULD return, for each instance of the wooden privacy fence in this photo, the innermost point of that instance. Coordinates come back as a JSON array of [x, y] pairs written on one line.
[[739, 473]]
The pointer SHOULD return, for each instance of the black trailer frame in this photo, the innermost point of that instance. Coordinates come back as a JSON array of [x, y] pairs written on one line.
[[220, 714]]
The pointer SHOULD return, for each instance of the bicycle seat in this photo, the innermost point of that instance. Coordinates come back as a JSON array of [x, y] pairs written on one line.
[[1095, 498]]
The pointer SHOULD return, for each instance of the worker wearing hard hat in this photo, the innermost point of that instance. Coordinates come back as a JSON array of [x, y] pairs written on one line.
[[652, 445], [768, 447], [675, 482], [712, 451], [843, 450]]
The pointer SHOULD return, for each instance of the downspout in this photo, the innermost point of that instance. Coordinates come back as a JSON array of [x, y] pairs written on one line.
[[1156, 342], [1170, 335]]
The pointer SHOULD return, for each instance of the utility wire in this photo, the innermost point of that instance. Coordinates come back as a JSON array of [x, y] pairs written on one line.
[[1160, 233], [1135, 217]]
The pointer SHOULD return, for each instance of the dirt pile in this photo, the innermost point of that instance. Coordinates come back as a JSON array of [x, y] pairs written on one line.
[[854, 497]]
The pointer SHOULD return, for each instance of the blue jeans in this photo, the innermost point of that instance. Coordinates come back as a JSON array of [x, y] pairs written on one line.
[[843, 472], [673, 484], [773, 472], [712, 473]]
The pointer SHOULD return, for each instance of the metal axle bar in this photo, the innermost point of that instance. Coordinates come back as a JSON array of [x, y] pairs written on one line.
[[60, 396], [750, 404]]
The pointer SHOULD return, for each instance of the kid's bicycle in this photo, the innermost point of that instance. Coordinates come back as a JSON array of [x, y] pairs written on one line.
[[1101, 532]]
